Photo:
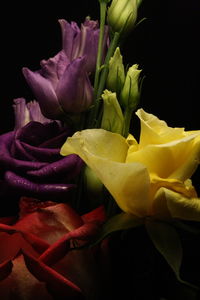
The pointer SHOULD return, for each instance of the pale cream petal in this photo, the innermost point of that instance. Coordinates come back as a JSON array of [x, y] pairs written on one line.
[[155, 131], [168, 203], [189, 161], [159, 206], [133, 144], [176, 159], [182, 207], [185, 188], [129, 184], [158, 160], [105, 152], [100, 142]]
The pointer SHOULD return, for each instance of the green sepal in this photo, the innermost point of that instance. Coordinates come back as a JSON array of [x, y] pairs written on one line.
[[122, 221], [167, 241]]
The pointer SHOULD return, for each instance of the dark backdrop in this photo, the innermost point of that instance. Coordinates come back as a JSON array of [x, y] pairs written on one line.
[[165, 46]]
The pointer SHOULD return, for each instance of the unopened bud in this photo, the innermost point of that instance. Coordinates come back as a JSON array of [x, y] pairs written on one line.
[[116, 75], [130, 93], [112, 119], [122, 15]]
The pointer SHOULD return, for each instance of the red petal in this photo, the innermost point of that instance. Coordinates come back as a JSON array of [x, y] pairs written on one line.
[[5, 269], [7, 228], [56, 251], [38, 244], [10, 246], [97, 214], [8, 220], [29, 205], [67, 216], [55, 282], [59, 249]]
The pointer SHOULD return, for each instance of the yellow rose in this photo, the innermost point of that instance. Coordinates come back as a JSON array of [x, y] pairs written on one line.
[[148, 178]]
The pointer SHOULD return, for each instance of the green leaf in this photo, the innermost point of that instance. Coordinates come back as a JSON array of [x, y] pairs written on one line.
[[167, 242], [119, 222]]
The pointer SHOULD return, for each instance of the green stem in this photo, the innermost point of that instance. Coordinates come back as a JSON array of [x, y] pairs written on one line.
[[127, 121], [111, 50], [103, 78], [103, 8]]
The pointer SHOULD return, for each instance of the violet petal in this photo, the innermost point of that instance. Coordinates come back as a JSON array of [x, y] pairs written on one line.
[[35, 133], [69, 33], [22, 115], [74, 90], [44, 93], [57, 141], [11, 163], [36, 189], [69, 167], [20, 152], [53, 68], [35, 112], [41, 154]]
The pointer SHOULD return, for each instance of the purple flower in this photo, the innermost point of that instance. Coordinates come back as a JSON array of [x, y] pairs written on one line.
[[30, 159], [24, 113], [82, 42], [61, 86]]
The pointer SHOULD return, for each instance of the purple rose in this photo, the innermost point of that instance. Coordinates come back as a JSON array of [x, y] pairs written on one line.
[[30, 162]]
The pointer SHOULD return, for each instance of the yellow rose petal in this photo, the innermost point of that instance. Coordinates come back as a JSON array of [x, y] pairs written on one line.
[[168, 203], [105, 152], [99, 142], [155, 131], [177, 159], [129, 184], [189, 160], [182, 207]]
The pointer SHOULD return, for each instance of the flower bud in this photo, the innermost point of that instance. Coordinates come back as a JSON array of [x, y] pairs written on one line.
[[130, 93], [122, 15], [112, 119], [116, 76], [104, 1]]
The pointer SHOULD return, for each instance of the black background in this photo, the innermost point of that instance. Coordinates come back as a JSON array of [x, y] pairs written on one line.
[[165, 46]]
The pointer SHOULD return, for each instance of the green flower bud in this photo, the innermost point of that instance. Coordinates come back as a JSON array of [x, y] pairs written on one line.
[[130, 93], [105, 1], [122, 15], [116, 75], [112, 119]]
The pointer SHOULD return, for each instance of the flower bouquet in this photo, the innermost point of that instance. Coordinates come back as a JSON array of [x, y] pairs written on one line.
[[94, 209]]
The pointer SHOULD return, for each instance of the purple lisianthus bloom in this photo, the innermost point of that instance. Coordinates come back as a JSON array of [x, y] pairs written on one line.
[[26, 112], [82, 42], [61, 86], [30, 160]]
